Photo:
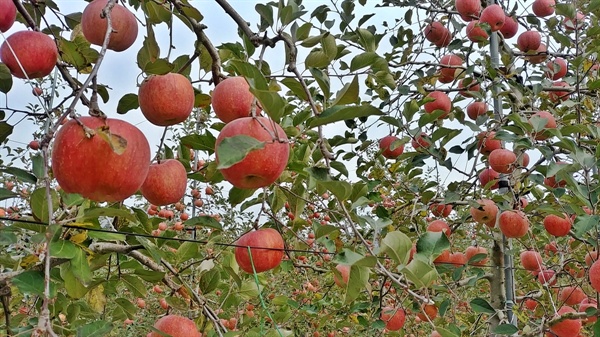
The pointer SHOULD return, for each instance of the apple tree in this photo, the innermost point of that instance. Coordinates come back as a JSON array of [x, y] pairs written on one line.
[[348, 168]]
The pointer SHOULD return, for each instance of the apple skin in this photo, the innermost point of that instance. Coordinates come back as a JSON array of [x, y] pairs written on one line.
[[344, 270], [556, 96], [486, 212], [475, 250], [165, 183], [531, 260], [385, 145], [538, 58], [439, 226], [584, 305], [90, 167], [546, 277], [543, 8], [264, 259], [476, 109], [124, 24], [394, 318], [442, 210], [571, 295], [450, 60], [468, 8], [176, 326], [36, 51], [487, 142], [166, 99], [513, 224], [529, 41], [503, 161], [261, 167], [475, 33], [420, 142], [567, 327], [8, 15], [487, 175], [594, 275], [441, 102], [232, 99], [470, 87], [510, 27], [550, 124], [494, 16], [438, 34], [556, 69], [557, 225]]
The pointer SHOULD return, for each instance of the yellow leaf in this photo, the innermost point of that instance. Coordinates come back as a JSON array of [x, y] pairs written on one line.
[[29, 260], [117, 143], [81, 224], [79, 237], [96, 298]]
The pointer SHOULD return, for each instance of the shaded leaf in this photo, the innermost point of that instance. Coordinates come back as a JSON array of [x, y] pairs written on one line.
[[234, 149], [397, 245], [340, 112], [128, 102], [20, 174], [95, 329]]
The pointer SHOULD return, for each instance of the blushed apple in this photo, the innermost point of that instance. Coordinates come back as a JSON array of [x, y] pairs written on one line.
[[165, 183], [36, 53], [8, 15], [166, 99], [266, 246], [123, 22], [232, 99]]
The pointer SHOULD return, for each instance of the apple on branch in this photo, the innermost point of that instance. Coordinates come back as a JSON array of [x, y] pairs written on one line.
[[266, 246], [166, 99], [123, 22], [30, 55], [8, 15], [165, 183]]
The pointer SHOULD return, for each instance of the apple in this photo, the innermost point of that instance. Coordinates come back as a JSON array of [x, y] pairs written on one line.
[[510, 27], [485, 213], [489, 175], [476, 109], [540, 56], [503, 160], [166, 99], [475, 33], [123, 22], [471, 86], [571, 24], [165, 183], [344, 270], [556, 69], [8, 15], [34, 145], [232, 99], [584, 305], [531, 260], [175, 326], [522, 159], [36, 52], [476, 250], [91, 167], [439, 226], [442, 210], [420, 142], [260, 167], [494, 16], [391, 147], [266, 246], [428, 312], [591, 257], [436, 33], [571, 295], [393, 318], [513, 224], [543, 8], [486, 142], [440, 101], [551, 182], [547, 277], [434, 333], [567, 327], [468, 8], [36, 91], [594, 274], [555, 96], [549, 124], [557, 225], [458, 259], [443, 258], [529, 41], [451, 72]]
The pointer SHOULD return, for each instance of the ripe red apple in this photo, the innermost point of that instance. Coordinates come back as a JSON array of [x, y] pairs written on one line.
[[494, 16], [439, 226], [428, 312], [453, 61], [571, 295], [486, 142], [469, 87], [558, 225], [36, 52], [489, 175], [475, 33], [556, 96], [91, 167], [176, 326], [34, 145], [36, 91], [266, 247], [486, 213], [503, 161], [594, 274], [529, 41], [531, 260], [522, 159], [513, 224], [475, 250], [546, 277], [577, 22], [166, 99], [442, 210], [543, 8], [165, 183], [344, 270], [123, 22], [232, 99], [8, 14], [393, 318], [391, 147], [551, 182], [510, 27], [437, 33], [420, 142], [260, 167], [567, 327], [443, 258], [584, 305], [550, 124], [556, 69], [468, 9], [591, 257], [441, 101], [476, 109], [458, 259], [541, 56]]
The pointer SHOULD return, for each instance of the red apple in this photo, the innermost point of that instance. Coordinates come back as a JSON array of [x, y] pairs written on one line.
[[266, 246], [543, 8], [551, 182], [34, 145], [594, 274], [440, 101], [437, 34], [428, 312], [550, 124], [556, 96], [485, 213], [344, 270], [591, 257], [513, 224], [584, 305], [468, 8], [489, 175], [503, 161], [458, 259], [475, 33], [475, 250], [486, 142], [232, 99], [469, 87], [522, 159], [175, 326], [529, 41], [166, 99], [567, 327], [439, 226], [123, 22], [165, 183], [442, 210], [557, 225], [577, 22], [494, 16], [391, 147], [556, 69], [451, 72], [510, 27], [91, 167], [547, 277], [531, 260], [8, 14], [260, 167], [476, 109], [36, 91], [443, 258], [541, 56], [571, 295], [420, 142], [393, 318], [36, 52]]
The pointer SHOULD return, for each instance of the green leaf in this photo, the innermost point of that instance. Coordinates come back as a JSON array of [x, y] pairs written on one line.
[[116, 142], [209, 281], [39, 203], [127, 102], [6, 80], [158, 67], [234, 149], [329, 46], [481, 306], [29, 282], [81, 267], [6, 194], [585, 224], [205, 221], [63, 249], [363, 60], [95, 212], [135, 285], [128, 308], [187, 251], [205, 142], [238, 195], [358, 280], [95, 329], [73, 286], [20, 174], [348, 94], [5, 131], [249, 290], [397, 245], [420, 271], [341, 112], [322, 80], [432, 244], [296, 87], [149, 51], [506, 329]]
